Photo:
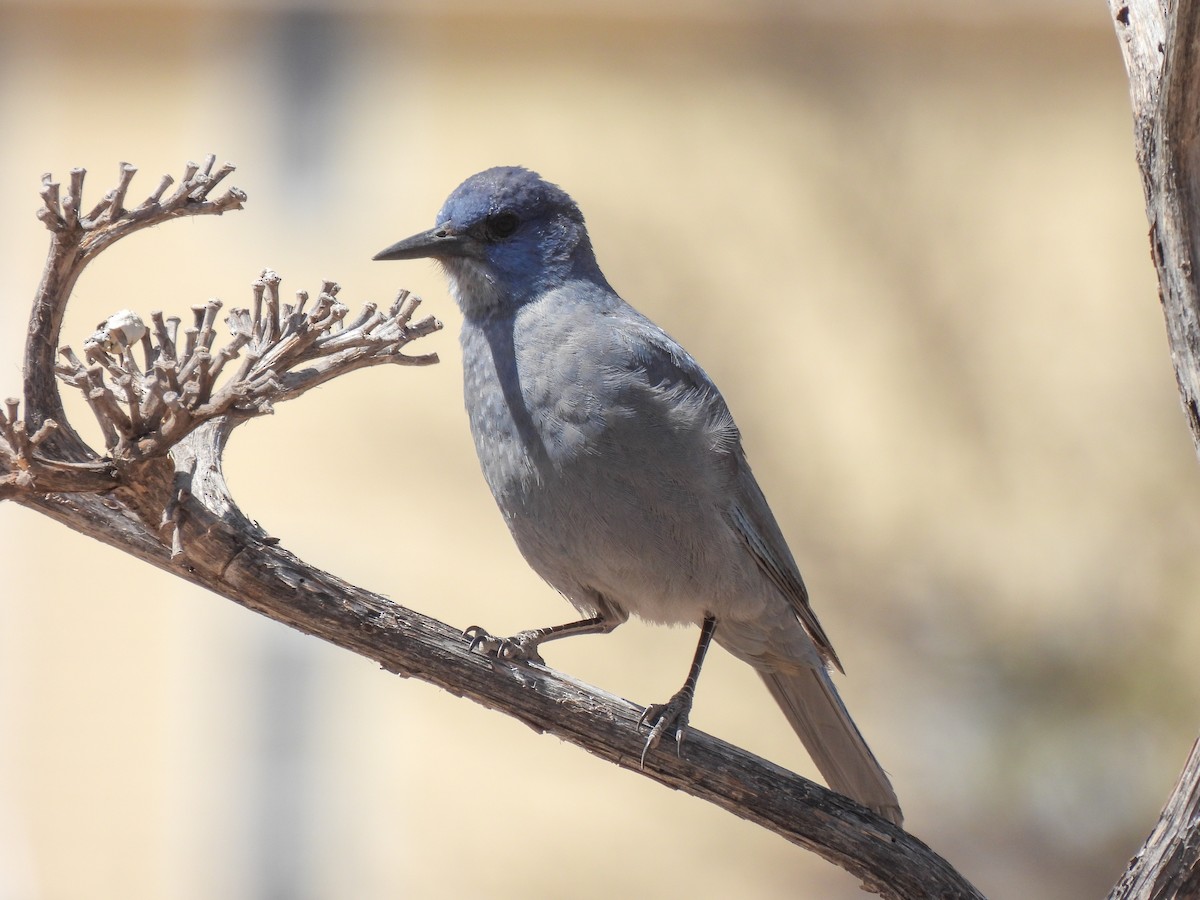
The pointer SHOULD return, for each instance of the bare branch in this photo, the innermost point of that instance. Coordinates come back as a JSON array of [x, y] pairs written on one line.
[[265, 578], [143, 414], [23, 470], [167, 403], [1166, 865], [75, 241], [1162, 59]]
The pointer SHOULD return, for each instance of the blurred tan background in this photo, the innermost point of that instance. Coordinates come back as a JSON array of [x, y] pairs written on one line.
[[908, 242]]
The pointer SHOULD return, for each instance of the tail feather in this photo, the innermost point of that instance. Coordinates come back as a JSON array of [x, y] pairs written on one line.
[[814, 709]]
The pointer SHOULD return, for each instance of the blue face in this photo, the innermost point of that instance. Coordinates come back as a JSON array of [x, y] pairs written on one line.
[[520, 234], [505, 237]]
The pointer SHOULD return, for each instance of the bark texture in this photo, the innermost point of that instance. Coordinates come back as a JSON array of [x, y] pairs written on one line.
[[1162, 58]]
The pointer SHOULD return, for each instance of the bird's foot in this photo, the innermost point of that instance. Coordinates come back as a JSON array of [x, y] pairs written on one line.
[[665, 717], [520, 647]]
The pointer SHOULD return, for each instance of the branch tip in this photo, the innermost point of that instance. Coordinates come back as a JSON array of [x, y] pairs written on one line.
[[117, 204], [48, 428], [165, 182]]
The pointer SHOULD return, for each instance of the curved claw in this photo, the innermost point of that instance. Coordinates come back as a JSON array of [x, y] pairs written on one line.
[[479, 638], [518, 648], [664, 716]]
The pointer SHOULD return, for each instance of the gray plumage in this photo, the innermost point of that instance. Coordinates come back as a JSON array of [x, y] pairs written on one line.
[[618, 467]]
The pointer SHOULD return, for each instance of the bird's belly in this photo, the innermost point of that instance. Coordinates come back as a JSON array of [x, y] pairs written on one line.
[[616, 488], [653, 548]]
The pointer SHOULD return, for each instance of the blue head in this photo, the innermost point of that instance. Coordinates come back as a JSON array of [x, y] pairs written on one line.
[[504, 236]]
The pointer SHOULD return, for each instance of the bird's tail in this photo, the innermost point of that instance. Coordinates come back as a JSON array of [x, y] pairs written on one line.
[[812, 705]]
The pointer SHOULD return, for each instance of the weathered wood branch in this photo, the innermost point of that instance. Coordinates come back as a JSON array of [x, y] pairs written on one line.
[[159, 493], [1161, 46], [271, 581], [76, 239]]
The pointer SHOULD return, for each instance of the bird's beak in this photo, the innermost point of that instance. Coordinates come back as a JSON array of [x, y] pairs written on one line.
[[437, 242]]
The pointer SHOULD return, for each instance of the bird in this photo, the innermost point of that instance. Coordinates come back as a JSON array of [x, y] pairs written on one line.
[[619, 470]]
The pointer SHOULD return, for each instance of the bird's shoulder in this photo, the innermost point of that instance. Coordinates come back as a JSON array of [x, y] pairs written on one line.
[[581, 324], [607, 344]]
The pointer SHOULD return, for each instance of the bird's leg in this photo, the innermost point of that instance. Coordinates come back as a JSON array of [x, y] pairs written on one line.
[[661, 717], [524, 646]]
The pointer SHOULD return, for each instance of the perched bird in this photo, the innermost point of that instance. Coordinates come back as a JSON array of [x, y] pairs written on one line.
[[619, 469]]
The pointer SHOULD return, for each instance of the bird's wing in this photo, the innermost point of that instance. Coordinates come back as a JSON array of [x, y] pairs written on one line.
[[672, 374], [669, 367], [660, 356], [752, 519]]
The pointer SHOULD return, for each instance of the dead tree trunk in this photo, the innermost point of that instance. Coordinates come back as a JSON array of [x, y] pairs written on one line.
[[1159, 42]]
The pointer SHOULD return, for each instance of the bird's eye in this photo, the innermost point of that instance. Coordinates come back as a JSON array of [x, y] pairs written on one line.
[[502, 225]]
